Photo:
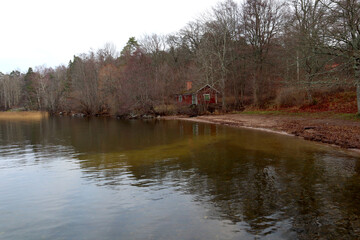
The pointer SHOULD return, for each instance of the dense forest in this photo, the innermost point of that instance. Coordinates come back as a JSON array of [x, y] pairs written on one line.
[[259, 53]]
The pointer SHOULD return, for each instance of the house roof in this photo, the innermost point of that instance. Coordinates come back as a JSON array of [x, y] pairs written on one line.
[[208, 85], [196, 90]]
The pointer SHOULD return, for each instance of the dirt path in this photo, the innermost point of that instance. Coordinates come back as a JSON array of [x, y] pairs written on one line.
[[344, 133]]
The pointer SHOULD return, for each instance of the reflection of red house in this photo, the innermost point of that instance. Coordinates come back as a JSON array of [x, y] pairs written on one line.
[[201, 96]]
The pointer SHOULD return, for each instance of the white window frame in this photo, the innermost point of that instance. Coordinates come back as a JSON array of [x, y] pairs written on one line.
[[194, 99]]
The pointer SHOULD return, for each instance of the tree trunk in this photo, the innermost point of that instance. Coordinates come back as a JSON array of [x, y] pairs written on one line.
[[357, 81], [257, 91], [358, 95], [255, 94], [308, 89], [242, 90], [223, 100], [236, 95]]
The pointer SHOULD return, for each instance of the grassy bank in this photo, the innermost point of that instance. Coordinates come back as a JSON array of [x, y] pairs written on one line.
[[32, 116]]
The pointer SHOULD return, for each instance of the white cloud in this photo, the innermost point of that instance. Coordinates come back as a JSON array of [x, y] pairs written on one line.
[[47, 32]]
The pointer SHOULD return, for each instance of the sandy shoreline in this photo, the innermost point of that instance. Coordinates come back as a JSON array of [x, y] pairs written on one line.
[[339, 132]]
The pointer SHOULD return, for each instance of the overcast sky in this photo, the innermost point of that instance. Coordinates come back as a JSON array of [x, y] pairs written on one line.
[[50, 32]]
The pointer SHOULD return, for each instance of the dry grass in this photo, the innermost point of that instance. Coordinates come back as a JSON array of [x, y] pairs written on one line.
[[165, 110], [33, 116]]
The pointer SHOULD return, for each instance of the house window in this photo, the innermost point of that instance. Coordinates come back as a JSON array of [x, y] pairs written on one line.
[[194, 99], [207, 97], [180, 98]]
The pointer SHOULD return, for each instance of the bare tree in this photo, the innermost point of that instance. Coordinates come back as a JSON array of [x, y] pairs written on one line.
[[309, 26], [40, 83], [55, 88], [10, 89], [155, 47], [262, 21], [196, 57], [138, 89], [181, 62], [216, 51], [85, 83], [192, 35], [110, 86], [344, 34], [108, 53]]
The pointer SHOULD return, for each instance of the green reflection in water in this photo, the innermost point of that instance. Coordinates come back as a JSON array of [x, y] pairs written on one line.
[[148, 155]]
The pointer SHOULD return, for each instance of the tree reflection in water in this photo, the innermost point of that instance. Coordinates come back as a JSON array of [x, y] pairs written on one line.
[[268, 185]]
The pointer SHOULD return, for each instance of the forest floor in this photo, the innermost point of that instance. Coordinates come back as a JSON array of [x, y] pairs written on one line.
[[339, 129]]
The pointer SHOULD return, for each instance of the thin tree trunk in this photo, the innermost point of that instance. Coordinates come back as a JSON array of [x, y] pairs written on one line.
[[257, 87], [242, 94], [357, 81], [297, 67], [358, 95], [223, 100], [308, 89], [255, 93]]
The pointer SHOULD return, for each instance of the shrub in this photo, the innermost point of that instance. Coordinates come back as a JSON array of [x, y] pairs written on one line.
[[290, 97], [165, 110], [192, 110]]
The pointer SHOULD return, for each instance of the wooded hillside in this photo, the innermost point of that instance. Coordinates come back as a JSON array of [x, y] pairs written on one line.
[[260, 53]]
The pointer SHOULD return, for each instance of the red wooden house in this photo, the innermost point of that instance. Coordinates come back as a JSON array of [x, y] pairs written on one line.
[[200, 96]]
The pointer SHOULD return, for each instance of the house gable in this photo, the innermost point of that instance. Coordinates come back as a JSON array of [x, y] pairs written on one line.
[[207, 86]]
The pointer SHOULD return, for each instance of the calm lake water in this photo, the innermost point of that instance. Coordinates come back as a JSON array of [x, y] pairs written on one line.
[[64, 178]]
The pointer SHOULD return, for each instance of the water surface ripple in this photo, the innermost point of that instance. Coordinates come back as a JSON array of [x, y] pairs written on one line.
[[63, 178]]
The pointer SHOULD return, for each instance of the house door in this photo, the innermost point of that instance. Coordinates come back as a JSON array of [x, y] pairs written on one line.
[[194, 99]]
